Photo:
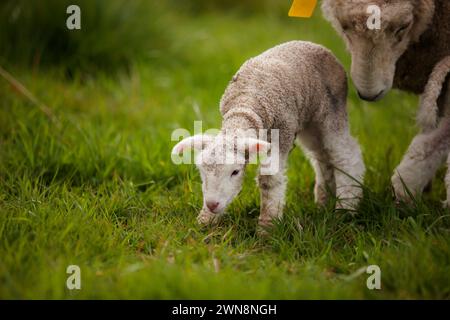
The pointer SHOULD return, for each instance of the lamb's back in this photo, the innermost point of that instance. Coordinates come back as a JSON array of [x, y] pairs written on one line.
[[285, 79]]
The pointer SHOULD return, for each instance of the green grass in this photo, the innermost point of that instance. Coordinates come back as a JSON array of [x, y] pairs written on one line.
[[113, 33], [100, 191]]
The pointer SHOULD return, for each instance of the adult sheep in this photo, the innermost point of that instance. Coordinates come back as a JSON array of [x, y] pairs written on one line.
[[414, 37]]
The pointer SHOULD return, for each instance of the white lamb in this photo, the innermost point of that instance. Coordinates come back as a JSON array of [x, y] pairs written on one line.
[[300, 89]]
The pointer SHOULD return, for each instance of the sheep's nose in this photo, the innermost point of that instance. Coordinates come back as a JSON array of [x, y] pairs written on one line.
[[212, 205]]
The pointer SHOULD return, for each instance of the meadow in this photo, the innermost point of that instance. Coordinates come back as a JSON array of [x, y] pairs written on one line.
[[96, 187]]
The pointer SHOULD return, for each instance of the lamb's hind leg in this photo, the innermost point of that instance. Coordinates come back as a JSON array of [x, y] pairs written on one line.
[[424, 156], [313, 148], [345, 156]]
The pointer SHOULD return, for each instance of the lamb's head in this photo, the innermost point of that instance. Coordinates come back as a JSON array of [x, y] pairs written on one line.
[[375, 51], [221, 161]]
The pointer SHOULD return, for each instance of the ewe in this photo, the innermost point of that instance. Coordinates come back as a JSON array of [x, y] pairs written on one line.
[[414, 37], [300, 89]]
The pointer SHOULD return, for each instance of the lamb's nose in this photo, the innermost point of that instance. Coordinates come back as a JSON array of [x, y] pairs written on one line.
[[212, 205]]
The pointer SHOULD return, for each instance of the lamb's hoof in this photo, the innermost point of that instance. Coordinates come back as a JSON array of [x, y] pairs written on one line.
[[264, 228], [348, 204], [321, 203], [321, 197], [206, 218], [262, 232]]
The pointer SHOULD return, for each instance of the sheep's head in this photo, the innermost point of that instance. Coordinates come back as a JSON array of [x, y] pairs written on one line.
[[221, 161], [375, 51]]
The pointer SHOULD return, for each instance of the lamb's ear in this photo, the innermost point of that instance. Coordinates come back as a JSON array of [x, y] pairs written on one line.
[[253, 146], [197, 142]]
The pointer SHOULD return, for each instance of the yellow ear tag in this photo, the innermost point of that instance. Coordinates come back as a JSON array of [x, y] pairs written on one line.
[[302, 8]]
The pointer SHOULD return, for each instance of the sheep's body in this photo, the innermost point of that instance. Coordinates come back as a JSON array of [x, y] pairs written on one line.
[[300, 89], [415, 65]]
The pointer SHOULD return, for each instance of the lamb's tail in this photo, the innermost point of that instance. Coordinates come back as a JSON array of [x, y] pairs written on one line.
[[428, 110]]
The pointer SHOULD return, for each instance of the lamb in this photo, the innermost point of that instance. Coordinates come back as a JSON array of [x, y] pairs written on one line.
[[298, 90], [414, 37]]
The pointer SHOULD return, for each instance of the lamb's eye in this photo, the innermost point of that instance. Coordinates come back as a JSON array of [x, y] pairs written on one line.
[[234, 173]]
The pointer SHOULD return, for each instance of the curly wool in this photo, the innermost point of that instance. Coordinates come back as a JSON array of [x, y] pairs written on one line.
[[415, 66], [428, 115]]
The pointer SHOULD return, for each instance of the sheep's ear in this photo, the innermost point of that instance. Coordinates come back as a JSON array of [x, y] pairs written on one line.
[[253, 146], [197, 142]]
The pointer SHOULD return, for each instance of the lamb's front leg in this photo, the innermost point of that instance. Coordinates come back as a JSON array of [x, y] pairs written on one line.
[[272, 190], [424, 156]]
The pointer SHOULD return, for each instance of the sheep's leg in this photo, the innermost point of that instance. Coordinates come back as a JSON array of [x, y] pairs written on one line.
[[345, 156], [444, 100], [447, 183], [324, 173], [424, 156], [272, 190], [446, 108]]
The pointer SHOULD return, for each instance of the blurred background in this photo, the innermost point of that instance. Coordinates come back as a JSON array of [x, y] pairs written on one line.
[[114, 33]]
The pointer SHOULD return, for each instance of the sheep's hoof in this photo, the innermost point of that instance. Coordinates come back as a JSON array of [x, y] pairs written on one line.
[[401, 201], [206, 218], [402, 193], [402, 197]]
